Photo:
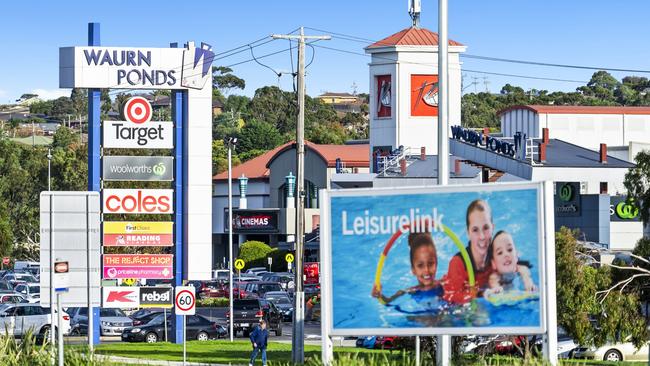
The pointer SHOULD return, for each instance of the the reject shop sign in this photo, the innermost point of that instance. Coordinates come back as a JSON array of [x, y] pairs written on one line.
[[130, 135], [134, 297], [120, 297], [147, 266], [138, 201]]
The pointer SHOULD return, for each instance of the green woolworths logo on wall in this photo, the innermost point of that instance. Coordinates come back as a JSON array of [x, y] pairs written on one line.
[[626, 210], [566, 192], [159, 169]]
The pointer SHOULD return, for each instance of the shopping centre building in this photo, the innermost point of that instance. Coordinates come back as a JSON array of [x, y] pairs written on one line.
[[586, 151]]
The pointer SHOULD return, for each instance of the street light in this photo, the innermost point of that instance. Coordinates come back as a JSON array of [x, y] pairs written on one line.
[[231, 142], [49, 165]]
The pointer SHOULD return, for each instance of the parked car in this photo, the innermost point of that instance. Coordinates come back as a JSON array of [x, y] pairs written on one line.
[[248, 312], [260, 288], [18, 319], [565, 344], [12, 298], [16, 277], [223, 290], [376, 342], [257, 271], [623, 351], [281, 301], [197, 327], [112, 321], [286, 280], [5, 286], [311, 289], [221, 275], [145, 318], [30, 291]]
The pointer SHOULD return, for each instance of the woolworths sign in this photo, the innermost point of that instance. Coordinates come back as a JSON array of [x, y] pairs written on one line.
[[141, 168]]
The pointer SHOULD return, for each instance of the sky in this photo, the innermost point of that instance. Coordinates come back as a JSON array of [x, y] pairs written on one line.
[[595, 33]]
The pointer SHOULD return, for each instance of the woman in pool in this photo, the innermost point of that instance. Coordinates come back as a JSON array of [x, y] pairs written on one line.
[[509, 273], [424, 262], [479, 231]]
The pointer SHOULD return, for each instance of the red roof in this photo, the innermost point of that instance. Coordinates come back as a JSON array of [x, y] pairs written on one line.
[[578, 109], [257, 168], [412, 37]]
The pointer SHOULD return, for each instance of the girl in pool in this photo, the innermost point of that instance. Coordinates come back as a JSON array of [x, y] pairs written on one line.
[[507, 267], [479, 231], [424, 262]]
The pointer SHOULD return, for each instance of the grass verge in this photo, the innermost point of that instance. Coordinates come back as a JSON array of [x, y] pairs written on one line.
[[279, 354]]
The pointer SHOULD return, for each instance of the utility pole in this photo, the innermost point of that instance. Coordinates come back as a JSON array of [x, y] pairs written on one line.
[[298, 341], [443, 351]]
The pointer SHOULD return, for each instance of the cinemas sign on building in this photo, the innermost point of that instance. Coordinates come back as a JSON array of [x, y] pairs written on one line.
[[253, 221]]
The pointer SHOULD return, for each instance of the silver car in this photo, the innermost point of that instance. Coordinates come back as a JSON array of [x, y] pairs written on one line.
[[624, 351], [112, 321]]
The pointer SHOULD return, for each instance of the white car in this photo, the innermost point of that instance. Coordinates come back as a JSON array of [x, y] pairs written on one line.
[[18, 319], [31, 291], [613, 352]]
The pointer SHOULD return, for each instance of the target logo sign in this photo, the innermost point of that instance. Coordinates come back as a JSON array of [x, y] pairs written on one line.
[[137, 110]]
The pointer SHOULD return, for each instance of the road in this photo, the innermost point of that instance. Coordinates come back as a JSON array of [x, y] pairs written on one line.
[[312, 330]]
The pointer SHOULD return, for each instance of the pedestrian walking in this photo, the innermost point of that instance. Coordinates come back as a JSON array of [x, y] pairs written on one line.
[[259, 336]]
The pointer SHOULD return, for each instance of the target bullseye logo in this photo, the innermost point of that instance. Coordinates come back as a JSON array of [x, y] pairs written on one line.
[[137, 110]]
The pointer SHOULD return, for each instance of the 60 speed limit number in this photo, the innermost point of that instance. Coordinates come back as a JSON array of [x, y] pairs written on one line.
[[185, 300]]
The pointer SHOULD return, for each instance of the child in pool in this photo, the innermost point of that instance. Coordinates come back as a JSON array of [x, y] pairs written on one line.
[[507, 267], [424, 262]]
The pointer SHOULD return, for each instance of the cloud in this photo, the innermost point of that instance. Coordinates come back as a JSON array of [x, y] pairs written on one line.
[[45, 94], [3, 93]]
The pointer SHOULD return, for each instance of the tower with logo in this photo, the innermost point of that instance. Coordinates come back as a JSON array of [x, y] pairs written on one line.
[[404, 91]]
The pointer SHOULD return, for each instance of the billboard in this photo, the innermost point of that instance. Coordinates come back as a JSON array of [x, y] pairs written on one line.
[[131, 135], [424, 95], [138, 201], [138, 233], [139, 168], [70, 231], [148, 266], [444, 260]]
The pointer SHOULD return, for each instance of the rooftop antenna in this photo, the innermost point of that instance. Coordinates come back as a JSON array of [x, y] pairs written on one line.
[[414, 12]]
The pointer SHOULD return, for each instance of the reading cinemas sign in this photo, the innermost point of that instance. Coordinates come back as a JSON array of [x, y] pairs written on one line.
[[140, 168]]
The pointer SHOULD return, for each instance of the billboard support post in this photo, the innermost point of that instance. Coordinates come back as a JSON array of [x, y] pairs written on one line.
[[94, 162], [549, 348], [417, 350]]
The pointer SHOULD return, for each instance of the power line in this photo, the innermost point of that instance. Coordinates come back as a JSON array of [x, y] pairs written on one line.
[[495, 59], [468, 70]]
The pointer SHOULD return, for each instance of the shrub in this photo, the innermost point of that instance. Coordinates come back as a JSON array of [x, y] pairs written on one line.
[[213, 302], [254, 253]]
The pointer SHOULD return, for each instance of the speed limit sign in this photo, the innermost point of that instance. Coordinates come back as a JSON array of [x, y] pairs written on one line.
[[185, 300]]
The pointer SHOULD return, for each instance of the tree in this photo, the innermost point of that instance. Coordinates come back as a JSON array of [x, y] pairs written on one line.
[[637, 183], [224, 80], [79, 98], [254, 253], [272, 105], [61, 107], [258, 135], [106, 105], [63, 138], [220, 157], [42, 107], [590, 306]]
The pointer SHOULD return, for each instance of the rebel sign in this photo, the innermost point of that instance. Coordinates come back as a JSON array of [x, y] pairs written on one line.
[[138, 201]]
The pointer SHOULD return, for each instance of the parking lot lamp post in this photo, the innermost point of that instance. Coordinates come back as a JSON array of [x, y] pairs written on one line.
[[49, 166], [231, 142]]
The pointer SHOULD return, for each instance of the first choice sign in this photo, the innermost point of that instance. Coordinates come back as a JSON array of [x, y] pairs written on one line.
[[135, 68]]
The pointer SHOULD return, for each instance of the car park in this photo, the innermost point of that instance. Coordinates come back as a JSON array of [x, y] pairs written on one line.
[[257, 271], [282, 301], [145, 318], [248, 312], [18, 319], [197, 327]]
